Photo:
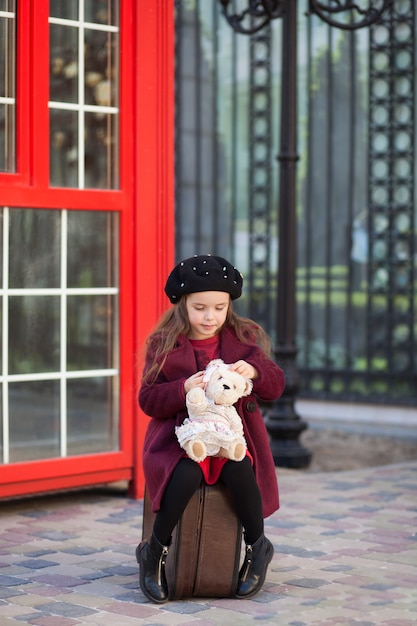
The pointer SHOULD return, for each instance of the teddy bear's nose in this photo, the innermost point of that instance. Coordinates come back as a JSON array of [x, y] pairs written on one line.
[[226, 386]]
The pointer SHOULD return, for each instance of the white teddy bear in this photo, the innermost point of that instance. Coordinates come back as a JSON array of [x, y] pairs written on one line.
[[213, 426]]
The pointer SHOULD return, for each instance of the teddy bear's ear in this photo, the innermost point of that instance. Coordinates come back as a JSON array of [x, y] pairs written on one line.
[[211, 367], [248, 387]]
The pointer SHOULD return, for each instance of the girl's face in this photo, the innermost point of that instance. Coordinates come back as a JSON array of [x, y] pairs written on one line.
[[207, 311]]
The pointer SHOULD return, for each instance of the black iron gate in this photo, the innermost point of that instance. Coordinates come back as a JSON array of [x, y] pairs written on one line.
[[356, 216]]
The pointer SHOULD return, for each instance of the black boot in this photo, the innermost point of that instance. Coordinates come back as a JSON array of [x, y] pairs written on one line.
[[253, 571], [151, 556]]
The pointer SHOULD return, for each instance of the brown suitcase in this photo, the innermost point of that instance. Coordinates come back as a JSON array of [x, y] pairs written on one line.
[[204, 556]]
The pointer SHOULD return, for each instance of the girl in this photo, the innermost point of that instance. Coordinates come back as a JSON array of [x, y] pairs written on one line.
[[202, 326]]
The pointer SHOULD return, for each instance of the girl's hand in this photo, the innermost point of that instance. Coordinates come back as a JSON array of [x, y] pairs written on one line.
[[196, 380], [245, 369]]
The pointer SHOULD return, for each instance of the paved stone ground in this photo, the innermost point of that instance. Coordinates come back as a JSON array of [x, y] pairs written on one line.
[[345, 554]]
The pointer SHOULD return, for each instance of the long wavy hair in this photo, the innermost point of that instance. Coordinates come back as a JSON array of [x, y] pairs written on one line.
[[175, 322]]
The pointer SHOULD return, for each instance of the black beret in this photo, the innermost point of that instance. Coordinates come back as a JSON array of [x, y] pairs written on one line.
[[205, 272]]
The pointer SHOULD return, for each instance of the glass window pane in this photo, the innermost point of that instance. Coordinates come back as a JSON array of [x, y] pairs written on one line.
[[63, 149], [101, 67], [92, 332], [64, 9], [92, 415], [64, 63], [92, 249], [34, 420], [101, 126], [101, 151], [8, 5], [34, 334], [100, 12], [7, 87], [95, 11], [7, 56], [7, 138], [35, 242]]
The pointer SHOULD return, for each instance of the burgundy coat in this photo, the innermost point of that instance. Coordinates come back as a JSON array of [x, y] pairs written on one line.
[[164, 402]]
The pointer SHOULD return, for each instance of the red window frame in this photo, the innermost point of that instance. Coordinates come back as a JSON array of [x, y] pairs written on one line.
[[144, 203]]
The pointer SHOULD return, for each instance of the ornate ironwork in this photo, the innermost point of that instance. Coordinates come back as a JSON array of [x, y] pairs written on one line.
[[391, 230], [361, 14], [357, 15], [255, 17], [374, 360], [261, 294]]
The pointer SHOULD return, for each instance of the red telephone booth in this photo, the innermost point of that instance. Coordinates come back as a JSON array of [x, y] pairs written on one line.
[[86, 184]]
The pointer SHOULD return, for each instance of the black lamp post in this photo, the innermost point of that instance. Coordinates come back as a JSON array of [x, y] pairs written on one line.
[[282, 421]]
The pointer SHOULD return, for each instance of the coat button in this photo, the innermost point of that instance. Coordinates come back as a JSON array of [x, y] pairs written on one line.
[[251, 407]]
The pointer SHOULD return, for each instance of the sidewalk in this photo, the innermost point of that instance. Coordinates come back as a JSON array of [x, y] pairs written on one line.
[[345, 554]]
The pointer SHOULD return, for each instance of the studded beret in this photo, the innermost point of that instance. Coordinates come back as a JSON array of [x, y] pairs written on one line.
[[203, 273]]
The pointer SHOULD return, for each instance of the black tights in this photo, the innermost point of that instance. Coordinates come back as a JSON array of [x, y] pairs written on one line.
[[238, 477]]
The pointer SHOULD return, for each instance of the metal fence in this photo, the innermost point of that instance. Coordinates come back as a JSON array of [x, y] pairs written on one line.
[[356, 216]]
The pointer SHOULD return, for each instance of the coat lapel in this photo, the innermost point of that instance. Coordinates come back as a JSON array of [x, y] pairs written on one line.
[[181, 362]]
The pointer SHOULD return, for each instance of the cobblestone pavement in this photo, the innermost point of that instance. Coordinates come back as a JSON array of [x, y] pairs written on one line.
[[345, 554]]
